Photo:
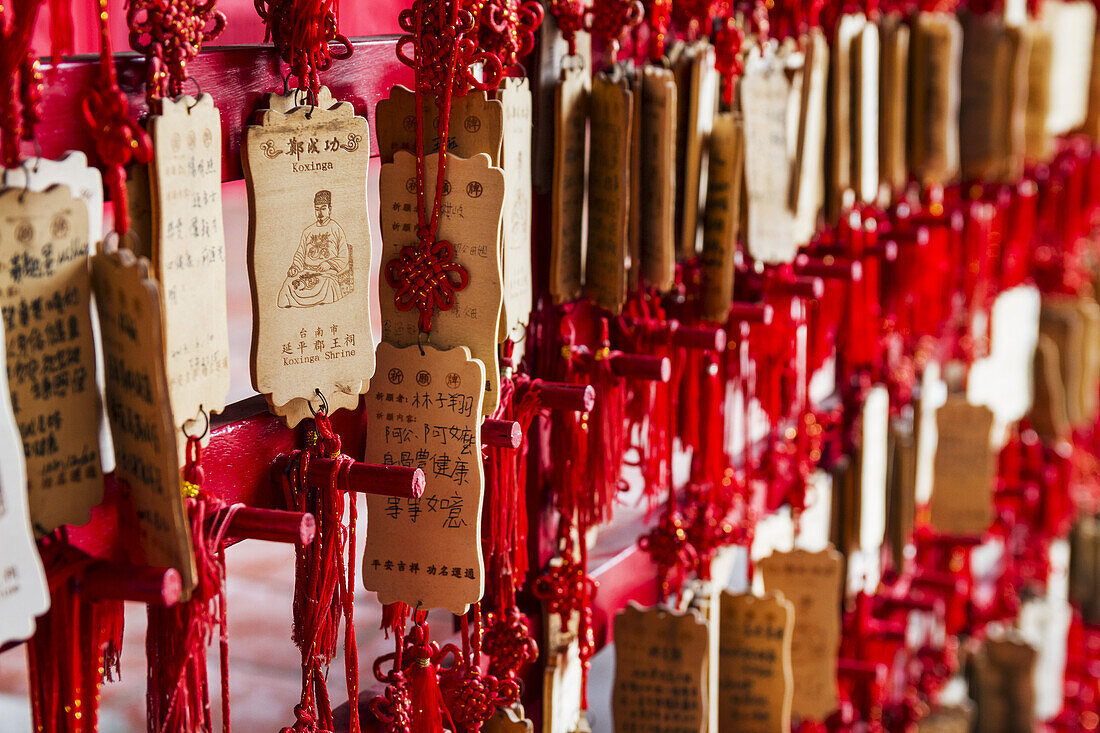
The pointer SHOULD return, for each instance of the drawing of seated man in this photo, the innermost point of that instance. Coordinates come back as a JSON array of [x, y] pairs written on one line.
[[322, 268]]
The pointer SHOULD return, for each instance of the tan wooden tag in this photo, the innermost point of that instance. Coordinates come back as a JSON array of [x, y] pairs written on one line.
[[936, 44], [983, 109], [147, 464], [509, 720], [189, 257], [963, 469], [1002, 671], [561, 690], [476, 125], [697, 90], [811, 581], [85, 182], [515, 97], [424, 411], [1092, 118], [634, 208], [1039, 143], [755, 678], [1073, 25], [1014, 133], [570, 156], [874, 429], [1089, 390], [658, 177], [659, 668], [297, 98], [947, 719], [865, 113], [609, 193], [24, 592], [1061, 319], [139, 197], [893, 101], [808, 168], [841, 125], [45, 298], [723, 215], [473, 201], [309, 255], [1048, 409], [901, 486], [765, 94]]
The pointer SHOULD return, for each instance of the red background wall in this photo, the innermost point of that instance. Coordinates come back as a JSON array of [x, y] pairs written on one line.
[[357, 18]]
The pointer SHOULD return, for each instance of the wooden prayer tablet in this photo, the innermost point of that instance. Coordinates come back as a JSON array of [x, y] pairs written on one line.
[[983, 112], [147, 464], [723, 214], [660, 660], [1039, 142], [841, 128], [424, 410], [936, 52], [808, 168], [473, 201], [657, 179], [1072, 25], [309, 258], [515, 156], [765, 94], [24, 593], [509, 720], [874, 431], [865, 113], [476, 125], [811, 582], [1003, 689], [188, 254], [85, 182], [571, 102], [893, 101], [45, 298], [297, 98], [609, 192], [697, 95], [964, 468], [755, 678]]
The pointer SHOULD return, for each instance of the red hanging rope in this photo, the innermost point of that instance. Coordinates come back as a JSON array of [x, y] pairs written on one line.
[[119, 140], [18, 69], [302, 31], [324, 579]]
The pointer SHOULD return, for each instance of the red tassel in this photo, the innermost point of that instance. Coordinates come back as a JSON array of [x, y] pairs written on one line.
[[76, 646], [423, 684], [178, 698]]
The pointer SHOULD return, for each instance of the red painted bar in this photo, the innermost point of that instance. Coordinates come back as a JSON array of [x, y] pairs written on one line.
[[121, 582], [752, 313], [501, 433], [829, 267], [364, 478], [272, 525], [641, 366], [559, 396]]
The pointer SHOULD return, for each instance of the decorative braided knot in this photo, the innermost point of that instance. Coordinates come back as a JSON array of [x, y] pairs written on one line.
[[507, 28], [472, 697], [442, 49], [171, 34], [667, 544], [610, 20], [508, 644], [426, 277]]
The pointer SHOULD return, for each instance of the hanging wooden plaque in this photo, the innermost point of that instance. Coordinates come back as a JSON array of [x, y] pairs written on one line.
[[309, 256], [1048, 409], [634, 207], [874, 429], [85, 182], [476, 125], [936, 45], [658, 177], [983, 112], [811, 581], [515, 97], [571, 101], [659, 669], [808, 170], [509, 720], [723, 215], [132, 327], [24, 593], [609, 193], [841, 128], [473, 200], [755, 678], [1073, 26], [1004, 693], [697, 90], [963, 469], [424, 411], [1039, 143], [864, 114], [765, 95], [45, 299], [893, 101], [189, 257]]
